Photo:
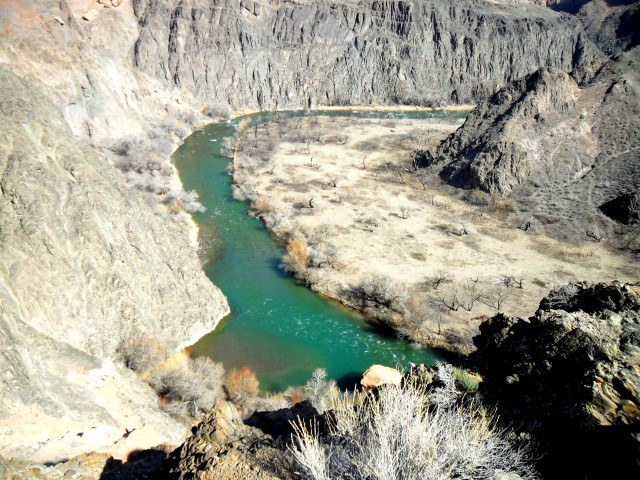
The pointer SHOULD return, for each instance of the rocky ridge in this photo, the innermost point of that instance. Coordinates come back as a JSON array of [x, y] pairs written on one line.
[[295, 54], [561, 149]]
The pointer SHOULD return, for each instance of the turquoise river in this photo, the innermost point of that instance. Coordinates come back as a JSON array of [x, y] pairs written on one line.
[[280, 329]]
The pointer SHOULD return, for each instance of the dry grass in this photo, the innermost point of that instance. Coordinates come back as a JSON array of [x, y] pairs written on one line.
[[296, 258], [262, 205]]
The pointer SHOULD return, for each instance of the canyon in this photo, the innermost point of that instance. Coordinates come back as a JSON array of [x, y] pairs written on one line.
[[96, 247]]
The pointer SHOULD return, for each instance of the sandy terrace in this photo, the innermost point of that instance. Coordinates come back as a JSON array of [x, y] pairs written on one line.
[[374, 221]]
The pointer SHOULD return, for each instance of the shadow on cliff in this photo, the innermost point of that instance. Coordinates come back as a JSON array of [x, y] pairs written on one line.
[[148, 463]]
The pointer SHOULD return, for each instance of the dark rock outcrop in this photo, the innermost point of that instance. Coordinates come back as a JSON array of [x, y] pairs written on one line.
[[572, 371], [624, 209], [287, 54], [222, 447], [576, 360], [611, 24]]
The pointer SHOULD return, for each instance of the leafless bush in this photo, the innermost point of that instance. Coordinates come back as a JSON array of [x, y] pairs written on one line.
[[471, 293], [495, 297], [241, 386], [296, 258], [379, 288], [191, 386], [438, 278], [140, 353], [320, 390], [262, 205], [449, 298], [271, 402], [399, 434], [179, 200]]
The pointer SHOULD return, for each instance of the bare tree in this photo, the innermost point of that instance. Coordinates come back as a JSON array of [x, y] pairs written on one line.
[[441, 276], [449, 298], [472, 293], [495, 297]]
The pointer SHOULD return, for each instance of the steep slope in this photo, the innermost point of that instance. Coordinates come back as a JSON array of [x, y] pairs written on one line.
[[610, 24], [558, 148], [292, 54], [84, 260]]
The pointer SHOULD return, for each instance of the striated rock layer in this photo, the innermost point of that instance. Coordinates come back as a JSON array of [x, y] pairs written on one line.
[[293, 54]]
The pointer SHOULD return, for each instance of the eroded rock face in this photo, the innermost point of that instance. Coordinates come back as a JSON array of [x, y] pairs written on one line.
[[222, 447], [611, 24], [561, 150], [571, 374], [547, 130], [577, 361], [84, 260], [264, 55]]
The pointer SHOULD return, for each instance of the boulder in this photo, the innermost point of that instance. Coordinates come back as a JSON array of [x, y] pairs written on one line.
[[378, 375]]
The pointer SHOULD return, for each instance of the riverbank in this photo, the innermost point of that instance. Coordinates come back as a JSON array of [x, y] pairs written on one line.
[[367, 229]]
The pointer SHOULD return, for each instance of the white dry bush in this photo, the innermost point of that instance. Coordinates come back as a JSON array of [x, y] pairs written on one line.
[[400, 433], [320, 390], [192, 386]]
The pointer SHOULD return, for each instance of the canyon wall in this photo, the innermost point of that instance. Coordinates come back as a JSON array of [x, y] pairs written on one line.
[[85, 260], [286, 54]]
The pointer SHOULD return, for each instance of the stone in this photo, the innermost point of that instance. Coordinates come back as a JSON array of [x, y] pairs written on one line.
[[548, 139], [378, 375], [571, 372], [91, 15]]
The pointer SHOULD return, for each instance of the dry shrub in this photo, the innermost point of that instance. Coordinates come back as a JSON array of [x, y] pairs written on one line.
[[140, 353], [295, 395], [296, 258], [241, 386], [271, 402], [188, 388], [403, 432], [262, 205]]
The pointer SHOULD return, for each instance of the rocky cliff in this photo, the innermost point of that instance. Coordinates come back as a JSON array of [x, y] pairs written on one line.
[[561, 149], [293, 54], [84, 260], [572, 372], [611, 24]]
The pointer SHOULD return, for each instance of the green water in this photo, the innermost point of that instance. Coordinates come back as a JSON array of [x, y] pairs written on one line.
[[282, 330]]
